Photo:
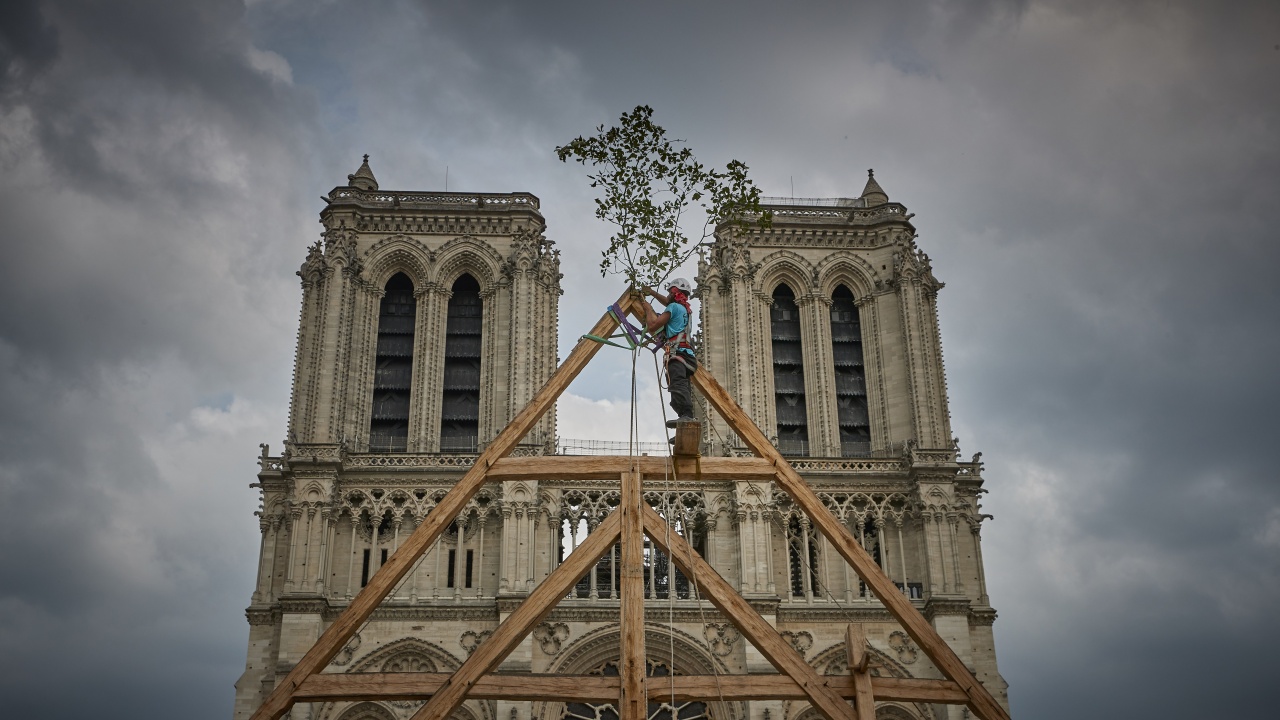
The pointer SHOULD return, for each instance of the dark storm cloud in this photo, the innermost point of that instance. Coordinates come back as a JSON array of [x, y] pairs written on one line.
[[1094, 181], [152, 223]]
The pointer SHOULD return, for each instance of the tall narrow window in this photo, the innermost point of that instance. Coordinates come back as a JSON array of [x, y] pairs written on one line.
[[393, 372], [788, 373], [460, 409], [851, 385]]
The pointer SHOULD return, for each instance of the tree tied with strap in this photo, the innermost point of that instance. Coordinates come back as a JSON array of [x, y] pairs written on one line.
[[648, 185]]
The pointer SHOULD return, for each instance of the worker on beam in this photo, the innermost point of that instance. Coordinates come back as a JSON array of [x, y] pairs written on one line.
[[675, 323]]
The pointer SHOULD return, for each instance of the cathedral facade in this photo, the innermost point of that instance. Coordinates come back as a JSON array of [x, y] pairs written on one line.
[[429, 320]]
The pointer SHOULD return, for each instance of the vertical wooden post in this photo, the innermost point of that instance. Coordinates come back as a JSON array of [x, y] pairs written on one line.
[[688, 439], [633, 701], [864, 703]]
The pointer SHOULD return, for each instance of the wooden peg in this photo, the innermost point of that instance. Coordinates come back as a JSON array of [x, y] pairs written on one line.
[[864, 703]]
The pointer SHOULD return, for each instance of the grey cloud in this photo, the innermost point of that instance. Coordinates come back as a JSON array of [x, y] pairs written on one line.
[[1094, 182]]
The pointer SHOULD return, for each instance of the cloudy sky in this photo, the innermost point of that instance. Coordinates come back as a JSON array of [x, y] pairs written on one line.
[[1098, 184]]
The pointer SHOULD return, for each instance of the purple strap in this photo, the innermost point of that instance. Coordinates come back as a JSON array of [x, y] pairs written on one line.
[[635, 333]]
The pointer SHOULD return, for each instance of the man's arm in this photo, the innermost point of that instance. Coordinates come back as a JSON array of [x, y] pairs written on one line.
[[654, 322], [664, 299]]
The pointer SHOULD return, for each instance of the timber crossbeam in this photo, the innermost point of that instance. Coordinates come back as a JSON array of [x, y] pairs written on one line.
[[328, 687], [609, 467]]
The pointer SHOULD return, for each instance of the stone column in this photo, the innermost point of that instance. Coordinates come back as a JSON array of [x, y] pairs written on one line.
[[975, 529], [874, 371], [479, 565], [957, 582], [433, 310], [295, 513], [819, 375], [302, 408], [264, 574], [322, 563], [505, 559], [351, 562], [375, 558]]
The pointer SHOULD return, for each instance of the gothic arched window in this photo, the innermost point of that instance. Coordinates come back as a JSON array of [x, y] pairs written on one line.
[[788, 373], [460, 409], [851, 384], [661, 710], [393, 371]]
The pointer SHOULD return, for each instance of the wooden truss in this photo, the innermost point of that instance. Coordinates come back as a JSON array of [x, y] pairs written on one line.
[[444, 692]]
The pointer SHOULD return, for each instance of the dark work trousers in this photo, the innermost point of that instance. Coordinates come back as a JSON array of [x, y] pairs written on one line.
[[678, 376]]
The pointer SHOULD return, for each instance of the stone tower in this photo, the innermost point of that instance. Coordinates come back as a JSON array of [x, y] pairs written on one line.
[[824, 327], [428, 320]]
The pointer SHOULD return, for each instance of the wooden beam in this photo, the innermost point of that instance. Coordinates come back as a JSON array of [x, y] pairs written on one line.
[[520, 622], [606, 467], [633, 701], [864, 702], [401, 561], [329, 687], [688, 440], [745, 618], [944, 658]]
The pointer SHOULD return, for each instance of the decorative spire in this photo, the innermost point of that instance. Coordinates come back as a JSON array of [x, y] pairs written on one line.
[[363, 178], [873, 193]]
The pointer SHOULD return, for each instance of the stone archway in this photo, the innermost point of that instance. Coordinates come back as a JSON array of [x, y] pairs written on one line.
[[669, 651]]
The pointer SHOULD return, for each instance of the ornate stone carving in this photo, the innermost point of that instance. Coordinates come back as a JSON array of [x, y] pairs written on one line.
[[347, 652], [550, 636], [901, 644], [470, 640], [720, 637], [801, 640]]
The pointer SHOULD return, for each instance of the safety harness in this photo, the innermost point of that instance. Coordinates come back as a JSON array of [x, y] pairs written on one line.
[[672, 346]]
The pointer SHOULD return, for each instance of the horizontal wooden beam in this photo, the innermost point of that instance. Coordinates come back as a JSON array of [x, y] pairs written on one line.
[[328, 687], [609, 467]]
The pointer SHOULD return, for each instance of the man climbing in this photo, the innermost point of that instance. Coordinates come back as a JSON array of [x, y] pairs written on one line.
[[680, 360]]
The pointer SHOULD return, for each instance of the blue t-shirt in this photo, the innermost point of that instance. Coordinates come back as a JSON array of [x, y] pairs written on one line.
[[679, 321]]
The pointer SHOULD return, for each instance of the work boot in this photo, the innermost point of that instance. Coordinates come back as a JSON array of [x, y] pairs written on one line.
[[680, 421]]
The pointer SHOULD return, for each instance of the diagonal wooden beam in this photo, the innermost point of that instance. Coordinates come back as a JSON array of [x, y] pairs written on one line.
[[531, 611], [401, 561], [944, 658], [329, 687], [755, 628]]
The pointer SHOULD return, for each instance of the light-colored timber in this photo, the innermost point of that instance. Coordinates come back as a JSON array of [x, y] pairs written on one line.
[[633, 703], [864, 702], [688, 440], [522, 621], [745, 618], [446, 691], [401, 561], [600, 689], [605, 467]]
